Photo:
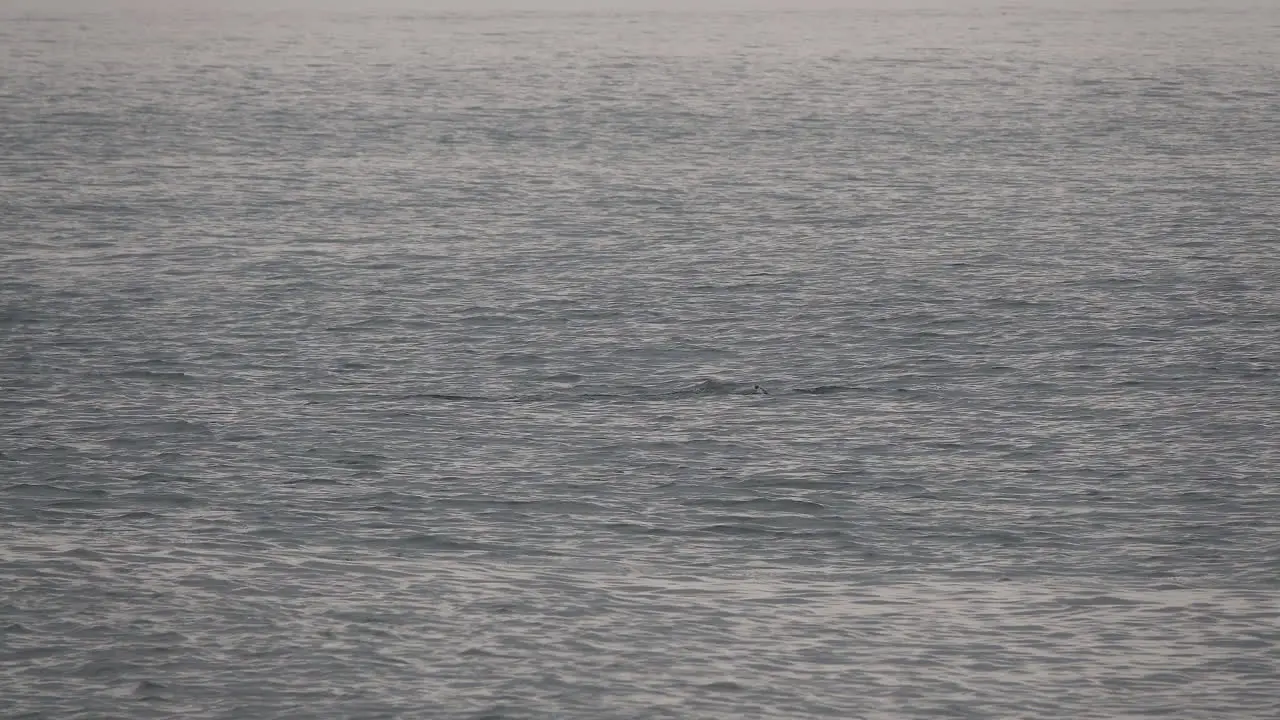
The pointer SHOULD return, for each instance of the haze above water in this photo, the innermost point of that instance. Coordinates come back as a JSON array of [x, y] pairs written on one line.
[[400, 360]]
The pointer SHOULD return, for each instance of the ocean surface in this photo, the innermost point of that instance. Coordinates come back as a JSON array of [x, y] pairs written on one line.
[[616, 360]]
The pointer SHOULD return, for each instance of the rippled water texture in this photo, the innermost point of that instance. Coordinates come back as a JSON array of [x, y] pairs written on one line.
[[880, 361]]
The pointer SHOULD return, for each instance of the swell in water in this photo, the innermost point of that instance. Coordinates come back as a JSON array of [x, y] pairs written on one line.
[[703, 388]]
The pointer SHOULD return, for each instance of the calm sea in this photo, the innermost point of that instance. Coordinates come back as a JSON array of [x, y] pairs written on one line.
[[867, 360]]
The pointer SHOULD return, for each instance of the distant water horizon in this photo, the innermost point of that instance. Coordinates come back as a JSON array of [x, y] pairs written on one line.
[[629, 360]]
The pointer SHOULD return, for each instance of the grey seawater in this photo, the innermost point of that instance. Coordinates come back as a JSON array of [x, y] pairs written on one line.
[[400, 361]]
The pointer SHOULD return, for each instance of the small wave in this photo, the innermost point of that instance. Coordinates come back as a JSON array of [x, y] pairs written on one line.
[[139, 374], [315, 480], [17, 317], [521, 359], [136, 515], [549, 506], [632, 528], [166, 499], [150, 691], [724, 686], [356, 460], [779, 505], [386, 500], [428, 541], [1099, 600], [166, 637], [705, 388], [452, 397], [175, 426], [488, 320], [719, 387], [75, 504], [822, 389], [563, 378], [38, 490], [151, 476], [796, 481], [355, 327], [739, 529]]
